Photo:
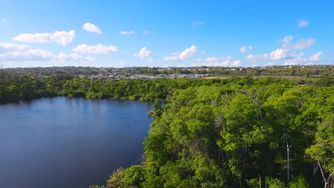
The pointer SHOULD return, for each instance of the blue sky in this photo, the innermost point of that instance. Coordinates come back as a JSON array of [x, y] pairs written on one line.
[[118, 33]]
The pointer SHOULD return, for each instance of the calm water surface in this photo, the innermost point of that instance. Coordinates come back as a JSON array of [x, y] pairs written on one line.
[[62, 142]]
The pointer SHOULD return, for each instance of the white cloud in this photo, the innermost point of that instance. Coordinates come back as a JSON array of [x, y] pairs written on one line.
[[7, 47], [72, 57], [95, 49], [3, 19], [17, 52], [303, 23], [196, 23], [257, 58], [295, 59], [127, 33], [299, 58], [236, 63], [315, 57], [278, 54], [275, 55], [288, 52], [89, 27], [218, 61], [147, 32], [60, 37], [184, 55], [287, 43], [304, 43], [121, 64], [246, 49], [144, 53]]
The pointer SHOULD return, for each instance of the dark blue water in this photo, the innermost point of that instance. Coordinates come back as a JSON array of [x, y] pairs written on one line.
[[62, 142]]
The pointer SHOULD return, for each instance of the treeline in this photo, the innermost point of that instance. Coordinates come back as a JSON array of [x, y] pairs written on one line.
[[14, 88], [297, 70], [236, 132], [243, 133]]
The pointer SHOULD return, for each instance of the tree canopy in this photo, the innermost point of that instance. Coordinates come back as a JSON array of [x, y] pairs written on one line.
[[236, 132]]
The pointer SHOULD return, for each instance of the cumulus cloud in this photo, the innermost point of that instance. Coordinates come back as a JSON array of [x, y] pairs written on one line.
[[144, 53], [127, 33], [289, 52], [17, 52], [295, 59], [121, 64], [287, 43], [246, 49], [184, 55], [95, 49], [301, 59], [92, 28], [275, 55], [278, 54], [304, 43], [64, 57], [7, 47], [257, 58], [218, 61], [303, 23], [315, 57], [288, 59], [60, 37]]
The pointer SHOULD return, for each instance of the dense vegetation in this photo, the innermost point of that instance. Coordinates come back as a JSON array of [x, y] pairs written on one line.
[[244, 133], [237, 132], [14, 88], [297, 70]]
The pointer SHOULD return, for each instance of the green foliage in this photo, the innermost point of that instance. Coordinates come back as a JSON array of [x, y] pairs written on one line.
[[14, 88], [234, 134], [299, 182], [274, 183], [323, 148], [134, 176], [214, 133], [116, 179], [157, 109]]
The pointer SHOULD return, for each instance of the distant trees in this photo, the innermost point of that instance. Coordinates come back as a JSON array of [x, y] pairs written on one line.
[[236, 132], [13, 88], [103, 73]]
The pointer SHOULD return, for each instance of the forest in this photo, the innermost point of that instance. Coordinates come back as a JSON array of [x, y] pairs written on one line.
[[242, 133], [233, 132]]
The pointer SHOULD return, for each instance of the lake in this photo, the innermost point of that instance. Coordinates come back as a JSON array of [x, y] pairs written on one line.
[[69, 142]]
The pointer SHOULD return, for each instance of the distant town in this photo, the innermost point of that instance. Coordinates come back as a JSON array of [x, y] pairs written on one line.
[[173, 72]]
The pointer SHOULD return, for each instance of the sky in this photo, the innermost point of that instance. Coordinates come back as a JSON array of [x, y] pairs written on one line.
[[166, 33]]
